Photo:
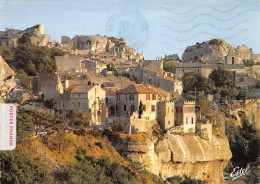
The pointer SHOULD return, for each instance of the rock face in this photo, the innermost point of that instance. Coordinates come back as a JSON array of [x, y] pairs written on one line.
[[95, 43], [214, 51], [173, 57], [10, 37], [182, 155], [7, 82]]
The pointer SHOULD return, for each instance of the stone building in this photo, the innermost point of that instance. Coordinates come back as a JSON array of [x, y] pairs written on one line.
[[49, 86], [171, 85], [232, 57], [163, 95], [203, 68], [94, 67], [241, 80], [166, 114], [89, 98], [185, 115], [68, 63], [111, 102], [130, 98]]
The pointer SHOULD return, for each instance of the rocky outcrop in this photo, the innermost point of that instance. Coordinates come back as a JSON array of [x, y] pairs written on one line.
[[249, 108], [7, 82], [181, 155], [95, 43], [214, 51], [173, 57], [10, 36]]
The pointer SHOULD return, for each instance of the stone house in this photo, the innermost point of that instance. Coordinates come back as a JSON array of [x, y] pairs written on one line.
[[94, 67], [68, 63], [166, 114], [111, 102], [232, 57], [172, 85], [241, 80], [130, 98], [185, 115], [162, 94], [203, 68], [89, 98], [49, 86]]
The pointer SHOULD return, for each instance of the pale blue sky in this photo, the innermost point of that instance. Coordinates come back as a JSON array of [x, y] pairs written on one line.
[[159, 26]]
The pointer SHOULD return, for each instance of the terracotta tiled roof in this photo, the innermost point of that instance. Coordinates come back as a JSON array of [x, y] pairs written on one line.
[[135, 89], [81, 88], [110, 92], [159, 91]]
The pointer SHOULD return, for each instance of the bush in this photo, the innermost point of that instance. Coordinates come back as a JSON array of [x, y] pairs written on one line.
[[120, 127], [16, 167]]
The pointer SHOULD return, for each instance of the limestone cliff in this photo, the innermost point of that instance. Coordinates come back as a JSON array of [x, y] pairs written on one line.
[[6, 79], [214, 51], [181, 155]]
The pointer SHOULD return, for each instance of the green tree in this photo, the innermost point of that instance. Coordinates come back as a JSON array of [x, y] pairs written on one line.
[[16, 167], [248, 62], [244, 142], [79, 118], [120, 127], [192, 80], [140, 111], [25, 39], [222, 77]]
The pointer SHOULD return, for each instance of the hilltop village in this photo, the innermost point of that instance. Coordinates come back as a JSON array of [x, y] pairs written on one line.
[[107, 79]]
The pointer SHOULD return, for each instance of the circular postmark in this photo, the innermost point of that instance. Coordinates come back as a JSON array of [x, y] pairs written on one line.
[[129, 25]]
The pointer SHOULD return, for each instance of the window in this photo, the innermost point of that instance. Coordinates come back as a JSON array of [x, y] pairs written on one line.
[[79, 104], [191, 120], [84, 104], [168, 109], [198, 70], [187, 120], [233, 60], [132, 108], [178, 110], [154, 97], [129, 97], [106, 99], [73, 104], [241, 79], [125, 96], [169, 122], [148, 97], [124, 107], [172, 108], [183, 71], [153, 108], [144, 107]]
